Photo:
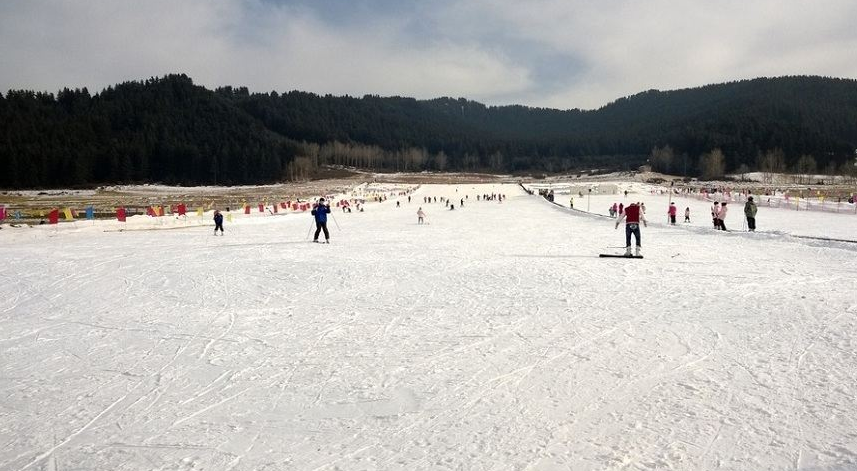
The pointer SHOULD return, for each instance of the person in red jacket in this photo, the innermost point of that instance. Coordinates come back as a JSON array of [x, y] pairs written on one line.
[[633, 216], [672, 212]]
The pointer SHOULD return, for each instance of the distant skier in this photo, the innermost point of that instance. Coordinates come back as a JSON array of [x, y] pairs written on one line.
[[633, 216], [715, 210], [721, 217], [672, 213], [687, 214], [218, 222], [750, 213], [320, 211], [421, 216]]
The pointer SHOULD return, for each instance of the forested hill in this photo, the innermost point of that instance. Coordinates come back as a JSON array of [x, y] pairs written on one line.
[[170, 130]]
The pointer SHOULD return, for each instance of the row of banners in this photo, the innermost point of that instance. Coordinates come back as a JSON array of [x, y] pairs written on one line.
[[157, 211]]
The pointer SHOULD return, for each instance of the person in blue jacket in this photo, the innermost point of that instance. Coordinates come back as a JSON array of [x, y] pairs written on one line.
[[320, 211], [218, 222]]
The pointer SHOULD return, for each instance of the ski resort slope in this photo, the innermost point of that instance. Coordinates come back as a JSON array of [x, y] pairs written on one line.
[[492, 338]]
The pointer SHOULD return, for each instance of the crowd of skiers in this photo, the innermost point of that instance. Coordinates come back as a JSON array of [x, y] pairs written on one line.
[[635, 214]]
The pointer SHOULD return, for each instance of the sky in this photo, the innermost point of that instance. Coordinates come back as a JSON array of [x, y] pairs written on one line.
[[548, 53]]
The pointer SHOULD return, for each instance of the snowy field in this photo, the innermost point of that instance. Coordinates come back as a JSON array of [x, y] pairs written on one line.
[[493, 338]]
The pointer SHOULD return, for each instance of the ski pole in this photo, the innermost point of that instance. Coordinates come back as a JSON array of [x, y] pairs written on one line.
[[309, 230], [334, 221]]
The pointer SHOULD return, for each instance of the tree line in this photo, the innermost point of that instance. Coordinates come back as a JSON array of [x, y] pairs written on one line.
[[172, 131]]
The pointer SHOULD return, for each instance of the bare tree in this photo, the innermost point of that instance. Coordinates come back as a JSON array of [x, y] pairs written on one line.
[[440, 160], [712, 164], [661, 159], [805, 168]]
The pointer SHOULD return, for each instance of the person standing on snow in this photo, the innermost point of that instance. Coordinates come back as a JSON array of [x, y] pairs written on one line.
[[715, 210], [721, 217], [320, 211], [687, 214], [218, 222], [421, 216], [672, 212], [750, 213], [633, 216]]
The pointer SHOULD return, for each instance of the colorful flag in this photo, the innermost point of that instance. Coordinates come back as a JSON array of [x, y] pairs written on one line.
[[199, 211], [120, 214], [182, 209], [261, 208], [68, 215], [2, 212], [229, 217], [54, 216], [246, 208], [90, 213]]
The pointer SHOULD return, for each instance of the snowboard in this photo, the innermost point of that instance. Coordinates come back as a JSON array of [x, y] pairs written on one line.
[[609, 255]]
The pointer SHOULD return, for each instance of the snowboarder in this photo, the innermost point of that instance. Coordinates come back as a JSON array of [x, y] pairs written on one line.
[[750, 213], [421, 216], [218, 222], [633, 216], [320, 211]]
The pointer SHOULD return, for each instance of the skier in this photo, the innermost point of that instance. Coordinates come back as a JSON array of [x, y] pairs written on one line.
[[721, 217], [687, 214], [715, 210], [320, 211], [750, 213], [672, 212], [218, 222], [421, 216], [633, 216]]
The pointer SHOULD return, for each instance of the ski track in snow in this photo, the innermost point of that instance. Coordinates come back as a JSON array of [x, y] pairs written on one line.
[[492, 338]]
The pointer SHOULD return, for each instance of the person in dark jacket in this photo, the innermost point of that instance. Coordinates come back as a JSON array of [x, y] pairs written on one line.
[[320, 211], [218, 222], [750, 213]]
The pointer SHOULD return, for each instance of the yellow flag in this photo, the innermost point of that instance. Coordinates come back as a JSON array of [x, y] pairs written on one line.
[[199, 211], [210, 204], [68, 216], [229, 217]]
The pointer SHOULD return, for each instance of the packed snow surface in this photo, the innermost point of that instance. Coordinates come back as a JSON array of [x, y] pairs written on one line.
[[492, 337]]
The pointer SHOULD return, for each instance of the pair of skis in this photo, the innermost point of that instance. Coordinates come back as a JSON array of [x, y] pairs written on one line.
[[616, 255]]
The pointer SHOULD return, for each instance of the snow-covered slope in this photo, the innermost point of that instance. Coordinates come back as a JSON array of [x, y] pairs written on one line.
[[491, 338]]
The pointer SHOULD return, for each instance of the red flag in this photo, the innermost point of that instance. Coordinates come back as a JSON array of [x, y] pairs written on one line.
[[261, 208], [247, 209], [160, 210], [150, 211], [120, 214], [275, 208], [54, 216], [182, 209]]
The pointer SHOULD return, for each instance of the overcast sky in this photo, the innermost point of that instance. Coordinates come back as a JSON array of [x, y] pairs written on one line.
[[552, 53]]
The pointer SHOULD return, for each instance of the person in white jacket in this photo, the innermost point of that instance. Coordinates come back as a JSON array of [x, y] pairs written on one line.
[[721, 216], [421, 216]]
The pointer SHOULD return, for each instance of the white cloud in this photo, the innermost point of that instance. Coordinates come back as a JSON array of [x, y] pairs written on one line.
[[555, 53]]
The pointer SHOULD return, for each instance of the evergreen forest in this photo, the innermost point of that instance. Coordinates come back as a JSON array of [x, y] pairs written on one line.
[[169, 130]]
